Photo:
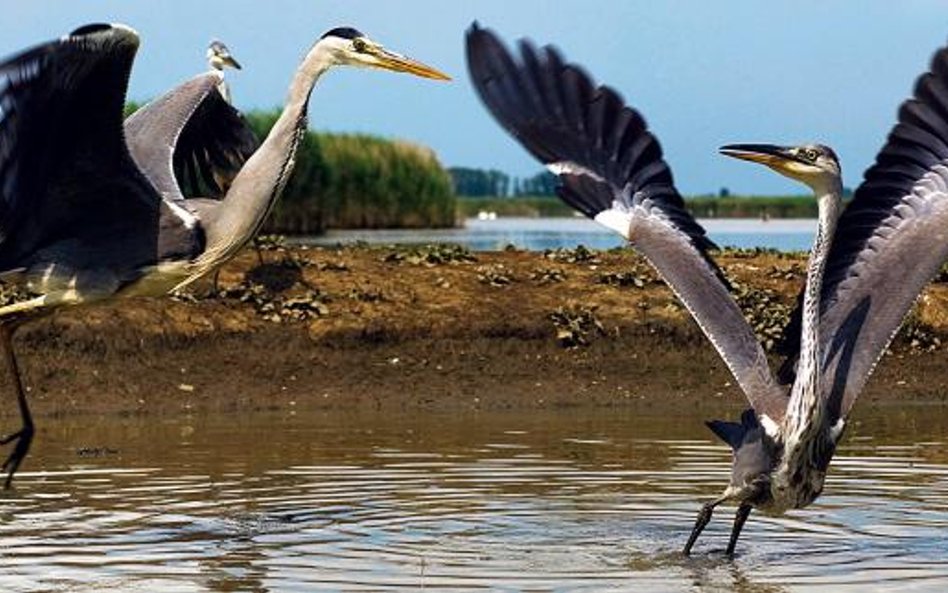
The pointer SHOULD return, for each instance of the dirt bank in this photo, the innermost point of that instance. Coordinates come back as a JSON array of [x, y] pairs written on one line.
[[438, 328]]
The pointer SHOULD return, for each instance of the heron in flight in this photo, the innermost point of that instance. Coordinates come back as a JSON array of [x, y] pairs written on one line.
[[88, 213], [868, 265]]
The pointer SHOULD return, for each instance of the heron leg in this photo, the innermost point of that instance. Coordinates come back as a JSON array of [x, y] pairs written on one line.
[[740, 518], [23, 437], [704, 516]]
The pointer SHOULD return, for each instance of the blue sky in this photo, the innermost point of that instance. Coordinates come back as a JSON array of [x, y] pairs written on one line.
[[703, 73]]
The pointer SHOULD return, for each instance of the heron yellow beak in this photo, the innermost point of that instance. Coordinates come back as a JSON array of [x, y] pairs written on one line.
[[765, 154], [779, 158], [398, 63]]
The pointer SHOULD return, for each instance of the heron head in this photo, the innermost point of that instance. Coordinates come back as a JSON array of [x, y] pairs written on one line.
[[755, 458], [351, 47], [220, 57], [815, 165]]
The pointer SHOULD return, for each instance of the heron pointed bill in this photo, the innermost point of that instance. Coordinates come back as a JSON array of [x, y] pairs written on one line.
[[229, 60], [765, 154], [388, 60], [782, 159]]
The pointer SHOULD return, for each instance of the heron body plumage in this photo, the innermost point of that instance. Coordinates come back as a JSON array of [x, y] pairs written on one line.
[[92, 210], [868, 264], [805, 437]]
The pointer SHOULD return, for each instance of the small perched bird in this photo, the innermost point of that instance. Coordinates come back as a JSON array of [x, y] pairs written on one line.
[[870, 260], [89, 213], [219, 58]]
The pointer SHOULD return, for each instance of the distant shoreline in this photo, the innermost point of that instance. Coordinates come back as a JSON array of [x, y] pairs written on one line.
[[700, 206], [495, 233]]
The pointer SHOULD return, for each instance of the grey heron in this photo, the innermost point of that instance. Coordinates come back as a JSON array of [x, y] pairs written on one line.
[[88, 213], [219, 58], [868, 264]]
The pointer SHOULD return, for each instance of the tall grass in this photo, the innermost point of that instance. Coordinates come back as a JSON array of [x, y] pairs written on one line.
[[359, 181]]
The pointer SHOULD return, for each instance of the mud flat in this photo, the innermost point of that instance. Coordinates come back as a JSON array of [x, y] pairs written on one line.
[[434, 328]]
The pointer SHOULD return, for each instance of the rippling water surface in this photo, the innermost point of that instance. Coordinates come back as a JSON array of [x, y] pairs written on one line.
[[539, 501]]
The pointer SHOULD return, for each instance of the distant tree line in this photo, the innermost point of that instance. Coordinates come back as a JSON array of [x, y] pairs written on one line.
[[541, 184], [492, 190], [483, 183], [703, 207], [479, 182], [729, 206]]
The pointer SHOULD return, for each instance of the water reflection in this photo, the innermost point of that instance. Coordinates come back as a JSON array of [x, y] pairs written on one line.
[[544, 501]]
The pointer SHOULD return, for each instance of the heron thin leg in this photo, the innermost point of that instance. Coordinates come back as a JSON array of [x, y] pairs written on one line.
[[23, 437], [704, 516], [740, 518]]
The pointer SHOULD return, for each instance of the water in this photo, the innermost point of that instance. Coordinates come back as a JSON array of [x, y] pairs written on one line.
[[537, 234], [537, 501]]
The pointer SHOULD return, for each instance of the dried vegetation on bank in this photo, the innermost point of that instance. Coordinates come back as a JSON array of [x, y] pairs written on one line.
[[431, 326]]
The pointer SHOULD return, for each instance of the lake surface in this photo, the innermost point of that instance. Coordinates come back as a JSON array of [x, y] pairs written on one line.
[[537, 501], [537, 234]]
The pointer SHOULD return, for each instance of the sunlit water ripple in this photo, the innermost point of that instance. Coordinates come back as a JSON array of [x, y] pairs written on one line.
[[548, 501]]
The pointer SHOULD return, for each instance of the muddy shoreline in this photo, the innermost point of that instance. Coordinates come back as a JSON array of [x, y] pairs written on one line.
[[360, 328]]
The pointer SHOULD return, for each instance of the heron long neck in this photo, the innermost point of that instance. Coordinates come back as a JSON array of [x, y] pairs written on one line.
[[224, 89], [805, 396], [262, 179]]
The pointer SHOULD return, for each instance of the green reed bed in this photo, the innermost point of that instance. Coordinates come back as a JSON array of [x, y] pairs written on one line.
[[359, 181]]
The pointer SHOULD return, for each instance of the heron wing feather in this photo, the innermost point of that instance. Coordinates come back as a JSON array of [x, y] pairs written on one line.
[[190, 141], [65, 171], [611, 169]]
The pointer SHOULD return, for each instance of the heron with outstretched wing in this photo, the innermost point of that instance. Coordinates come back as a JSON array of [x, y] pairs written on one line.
[[89, 213], [868, 264]]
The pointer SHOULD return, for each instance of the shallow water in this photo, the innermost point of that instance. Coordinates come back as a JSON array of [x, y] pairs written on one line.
[[538, 501], [537, 234]]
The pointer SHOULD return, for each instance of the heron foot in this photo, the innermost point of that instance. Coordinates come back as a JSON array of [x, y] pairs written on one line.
[[23, 438]]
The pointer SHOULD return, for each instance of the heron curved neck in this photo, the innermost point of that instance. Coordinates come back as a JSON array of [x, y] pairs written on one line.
[[805, 396], [261, 180]]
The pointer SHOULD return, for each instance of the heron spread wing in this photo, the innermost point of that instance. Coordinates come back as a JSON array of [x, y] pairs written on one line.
[[63, 160], [190, 141], [611, 168], [890, 242]]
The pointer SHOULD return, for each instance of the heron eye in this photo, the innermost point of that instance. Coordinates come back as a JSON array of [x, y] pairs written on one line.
[[359, 45], [810, 155]]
